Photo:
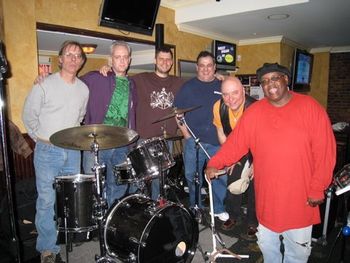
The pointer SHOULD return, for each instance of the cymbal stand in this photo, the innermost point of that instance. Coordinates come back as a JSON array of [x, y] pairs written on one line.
[[197, 210], [162, 196], [101, 202], [215, 235], [218, 253]]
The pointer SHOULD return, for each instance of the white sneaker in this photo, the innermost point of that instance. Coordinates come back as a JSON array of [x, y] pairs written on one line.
[[186, 189], [223, 216]]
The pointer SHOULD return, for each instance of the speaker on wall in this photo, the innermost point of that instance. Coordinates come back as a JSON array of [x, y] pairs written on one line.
[[159, 35]]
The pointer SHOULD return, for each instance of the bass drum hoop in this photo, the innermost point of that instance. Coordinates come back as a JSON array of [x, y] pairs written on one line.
[[146, 230]]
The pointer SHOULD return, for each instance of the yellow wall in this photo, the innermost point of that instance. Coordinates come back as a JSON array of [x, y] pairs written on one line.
[[287, 54], [21, 16], [19, 34], [254, 56], [320, 77]]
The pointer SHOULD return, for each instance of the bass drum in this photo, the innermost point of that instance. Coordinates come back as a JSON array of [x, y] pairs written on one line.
[[137, 229]]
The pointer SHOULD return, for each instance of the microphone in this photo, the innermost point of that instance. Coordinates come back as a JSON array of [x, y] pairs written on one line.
[[3, 62]]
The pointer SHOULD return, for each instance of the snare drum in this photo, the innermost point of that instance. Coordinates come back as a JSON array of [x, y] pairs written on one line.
[[75, 199], [151, 154]]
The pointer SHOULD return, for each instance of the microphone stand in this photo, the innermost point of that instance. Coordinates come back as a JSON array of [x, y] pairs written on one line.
[[14, 238]]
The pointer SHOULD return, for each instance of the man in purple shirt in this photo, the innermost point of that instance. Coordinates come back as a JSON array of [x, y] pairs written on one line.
[[105, 106]]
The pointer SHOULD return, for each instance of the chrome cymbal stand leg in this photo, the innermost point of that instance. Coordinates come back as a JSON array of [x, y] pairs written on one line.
[[101, 201], [215, 236]]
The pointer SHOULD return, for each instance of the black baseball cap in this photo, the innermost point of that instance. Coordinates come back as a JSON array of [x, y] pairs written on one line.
[[271, 67]]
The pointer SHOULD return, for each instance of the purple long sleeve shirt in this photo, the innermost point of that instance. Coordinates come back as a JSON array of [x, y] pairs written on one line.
[[101, 90]]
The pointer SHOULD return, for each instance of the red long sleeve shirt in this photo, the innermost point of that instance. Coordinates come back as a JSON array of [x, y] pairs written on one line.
[[294, 154]]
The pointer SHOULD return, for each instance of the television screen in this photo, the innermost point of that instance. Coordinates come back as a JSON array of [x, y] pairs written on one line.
[[225, 55], [137, 16], [302, 70]]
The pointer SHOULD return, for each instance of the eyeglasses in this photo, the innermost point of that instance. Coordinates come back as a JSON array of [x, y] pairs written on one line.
[[71, 55], [265, 82]]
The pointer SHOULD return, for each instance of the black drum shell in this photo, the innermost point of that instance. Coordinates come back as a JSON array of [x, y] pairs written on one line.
[[147, 157], [139, 230], [76, 194]]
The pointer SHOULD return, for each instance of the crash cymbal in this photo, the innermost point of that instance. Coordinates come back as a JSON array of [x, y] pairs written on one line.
[[175, 112], [81, 138]]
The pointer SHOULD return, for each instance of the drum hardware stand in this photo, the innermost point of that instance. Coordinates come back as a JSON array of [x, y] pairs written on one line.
[[197, 210], [346, 214], [323, 239], [101, 202], [162, 196], [66, 237], [14, 238], [215, 235]]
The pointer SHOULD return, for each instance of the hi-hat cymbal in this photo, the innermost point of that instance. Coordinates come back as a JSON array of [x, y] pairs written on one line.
[[82, 137], [175, 112]]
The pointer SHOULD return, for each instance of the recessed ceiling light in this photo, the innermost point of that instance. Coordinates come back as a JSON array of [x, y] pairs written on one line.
[[278, 17]]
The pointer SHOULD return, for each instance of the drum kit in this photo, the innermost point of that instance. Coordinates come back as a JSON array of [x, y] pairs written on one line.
[[135, 228]]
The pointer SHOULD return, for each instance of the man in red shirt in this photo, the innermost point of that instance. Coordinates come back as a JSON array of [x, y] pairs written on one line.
[[294, 150]]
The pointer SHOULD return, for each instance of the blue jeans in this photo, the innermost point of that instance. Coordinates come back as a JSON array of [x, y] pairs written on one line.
[[218, 185], [297, 244], [110, 158], [50, 161]]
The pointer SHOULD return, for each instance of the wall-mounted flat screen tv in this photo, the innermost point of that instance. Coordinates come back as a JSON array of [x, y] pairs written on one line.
[[302, 70], [138, 16], [225, 55]]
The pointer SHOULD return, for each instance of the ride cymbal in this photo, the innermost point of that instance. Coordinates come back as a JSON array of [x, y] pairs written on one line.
[[175, 112], [82, 137]]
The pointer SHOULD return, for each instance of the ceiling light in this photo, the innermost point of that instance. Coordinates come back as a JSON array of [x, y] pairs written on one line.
[[89, 48], [278, 17]]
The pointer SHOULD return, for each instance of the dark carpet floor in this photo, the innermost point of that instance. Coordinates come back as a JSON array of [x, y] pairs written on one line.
[[331, 251]]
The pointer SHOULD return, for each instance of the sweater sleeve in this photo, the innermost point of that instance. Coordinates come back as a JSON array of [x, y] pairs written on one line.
[[31, 110], [323, 151]]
